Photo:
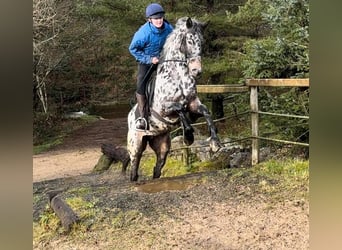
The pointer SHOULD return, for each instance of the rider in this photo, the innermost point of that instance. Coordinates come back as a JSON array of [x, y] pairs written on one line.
[[146, 46]]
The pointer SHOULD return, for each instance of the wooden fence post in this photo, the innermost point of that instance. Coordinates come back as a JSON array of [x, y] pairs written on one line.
[[186, 156], [255, 124]]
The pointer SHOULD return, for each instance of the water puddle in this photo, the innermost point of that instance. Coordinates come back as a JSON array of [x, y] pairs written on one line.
[[165, 185], [111, 111]]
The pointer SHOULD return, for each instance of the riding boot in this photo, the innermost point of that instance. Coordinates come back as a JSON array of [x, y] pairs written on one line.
[[141, 122]]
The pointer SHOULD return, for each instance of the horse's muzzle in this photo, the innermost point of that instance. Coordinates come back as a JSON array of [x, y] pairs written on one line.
[[196, 72], [195, 66]]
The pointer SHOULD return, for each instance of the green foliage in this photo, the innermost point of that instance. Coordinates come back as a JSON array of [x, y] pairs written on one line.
[[249, 16], [284, 53], [48, 226], [267, 58], [222, 51], [284, 101]]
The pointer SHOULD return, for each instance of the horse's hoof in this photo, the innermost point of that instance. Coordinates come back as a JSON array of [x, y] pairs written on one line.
[[134, 178], [215, 145], [188, 140], [188, 137], [156, 175]]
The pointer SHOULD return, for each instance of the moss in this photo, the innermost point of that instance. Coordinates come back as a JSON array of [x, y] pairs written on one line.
[[172, 167]]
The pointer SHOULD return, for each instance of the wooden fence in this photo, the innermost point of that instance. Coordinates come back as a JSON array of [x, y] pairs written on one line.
[[252, 86]]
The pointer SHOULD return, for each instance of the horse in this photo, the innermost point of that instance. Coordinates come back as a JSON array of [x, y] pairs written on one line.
[[175, 95]]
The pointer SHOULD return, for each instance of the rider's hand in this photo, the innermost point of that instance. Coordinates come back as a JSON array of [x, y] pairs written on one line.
[[154, 60]]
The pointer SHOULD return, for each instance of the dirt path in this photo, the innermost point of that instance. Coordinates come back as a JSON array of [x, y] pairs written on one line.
[[214, 210], [80, 151]]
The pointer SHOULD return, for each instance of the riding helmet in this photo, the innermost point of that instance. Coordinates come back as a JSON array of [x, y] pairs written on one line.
[[154, 10]]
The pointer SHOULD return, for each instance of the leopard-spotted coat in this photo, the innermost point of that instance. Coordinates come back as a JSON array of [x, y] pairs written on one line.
[[175, 94]]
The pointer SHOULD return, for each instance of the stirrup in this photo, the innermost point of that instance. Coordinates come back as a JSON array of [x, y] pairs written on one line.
[[144, 121]]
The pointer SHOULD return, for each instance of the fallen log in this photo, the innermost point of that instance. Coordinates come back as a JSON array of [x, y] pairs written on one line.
[[112, 154], [62, 210], [102, 164]]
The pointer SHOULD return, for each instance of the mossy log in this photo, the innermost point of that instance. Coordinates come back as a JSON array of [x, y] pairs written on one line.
[[102, 164], [62, 210], [112, 154]]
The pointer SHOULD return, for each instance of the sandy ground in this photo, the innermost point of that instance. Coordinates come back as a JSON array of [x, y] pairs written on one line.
[[80, 151]]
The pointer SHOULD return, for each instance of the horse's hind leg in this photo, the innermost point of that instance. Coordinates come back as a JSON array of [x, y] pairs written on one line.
[[135, 146], [161, 145], [135, 161]]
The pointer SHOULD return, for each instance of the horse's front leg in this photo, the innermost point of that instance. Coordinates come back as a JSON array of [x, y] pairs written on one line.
[[175, 107], [197, 107], [161, 146]]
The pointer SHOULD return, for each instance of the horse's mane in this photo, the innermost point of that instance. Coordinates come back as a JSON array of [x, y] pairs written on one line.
[[175, 38]]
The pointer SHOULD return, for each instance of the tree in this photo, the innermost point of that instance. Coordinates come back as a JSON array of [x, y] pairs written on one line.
[[285, 51], [49, 19], [250, 17]]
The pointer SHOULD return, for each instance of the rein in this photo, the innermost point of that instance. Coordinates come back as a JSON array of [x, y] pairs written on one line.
[[174, 60]]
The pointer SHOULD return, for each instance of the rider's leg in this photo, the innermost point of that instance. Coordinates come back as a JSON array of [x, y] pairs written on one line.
[[140, 96], [141, 122]]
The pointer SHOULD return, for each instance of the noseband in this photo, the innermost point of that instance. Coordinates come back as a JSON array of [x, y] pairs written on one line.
[[195, 61]]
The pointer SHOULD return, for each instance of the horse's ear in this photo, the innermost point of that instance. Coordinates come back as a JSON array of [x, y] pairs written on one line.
[[189, 23]]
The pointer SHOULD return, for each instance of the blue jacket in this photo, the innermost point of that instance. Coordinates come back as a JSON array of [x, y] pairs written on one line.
[[148, 41]]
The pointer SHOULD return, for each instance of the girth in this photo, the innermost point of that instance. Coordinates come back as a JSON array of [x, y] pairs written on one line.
[[160, 118]]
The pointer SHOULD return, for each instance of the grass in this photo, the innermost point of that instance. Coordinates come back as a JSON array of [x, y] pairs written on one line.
[[65, 127], [277, 179], [49, 226], [47, 144], [173, 167]]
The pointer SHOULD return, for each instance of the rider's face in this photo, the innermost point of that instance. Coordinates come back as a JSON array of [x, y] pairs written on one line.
[[158, 22]]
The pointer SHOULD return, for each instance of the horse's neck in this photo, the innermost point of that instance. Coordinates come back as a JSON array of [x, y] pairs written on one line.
[[173, 53], [174, 57], [173, 83]]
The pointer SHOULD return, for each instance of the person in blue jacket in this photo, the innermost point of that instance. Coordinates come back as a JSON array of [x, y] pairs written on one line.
[[146, 45]]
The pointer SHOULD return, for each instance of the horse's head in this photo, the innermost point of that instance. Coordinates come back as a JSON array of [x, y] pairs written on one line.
[[185, 44], [191, 44]]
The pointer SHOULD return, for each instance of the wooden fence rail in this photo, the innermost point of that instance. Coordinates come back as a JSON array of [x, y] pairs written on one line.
[[252, 86]]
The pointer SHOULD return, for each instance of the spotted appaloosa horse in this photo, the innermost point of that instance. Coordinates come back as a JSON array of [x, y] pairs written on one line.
[[174, 95]]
